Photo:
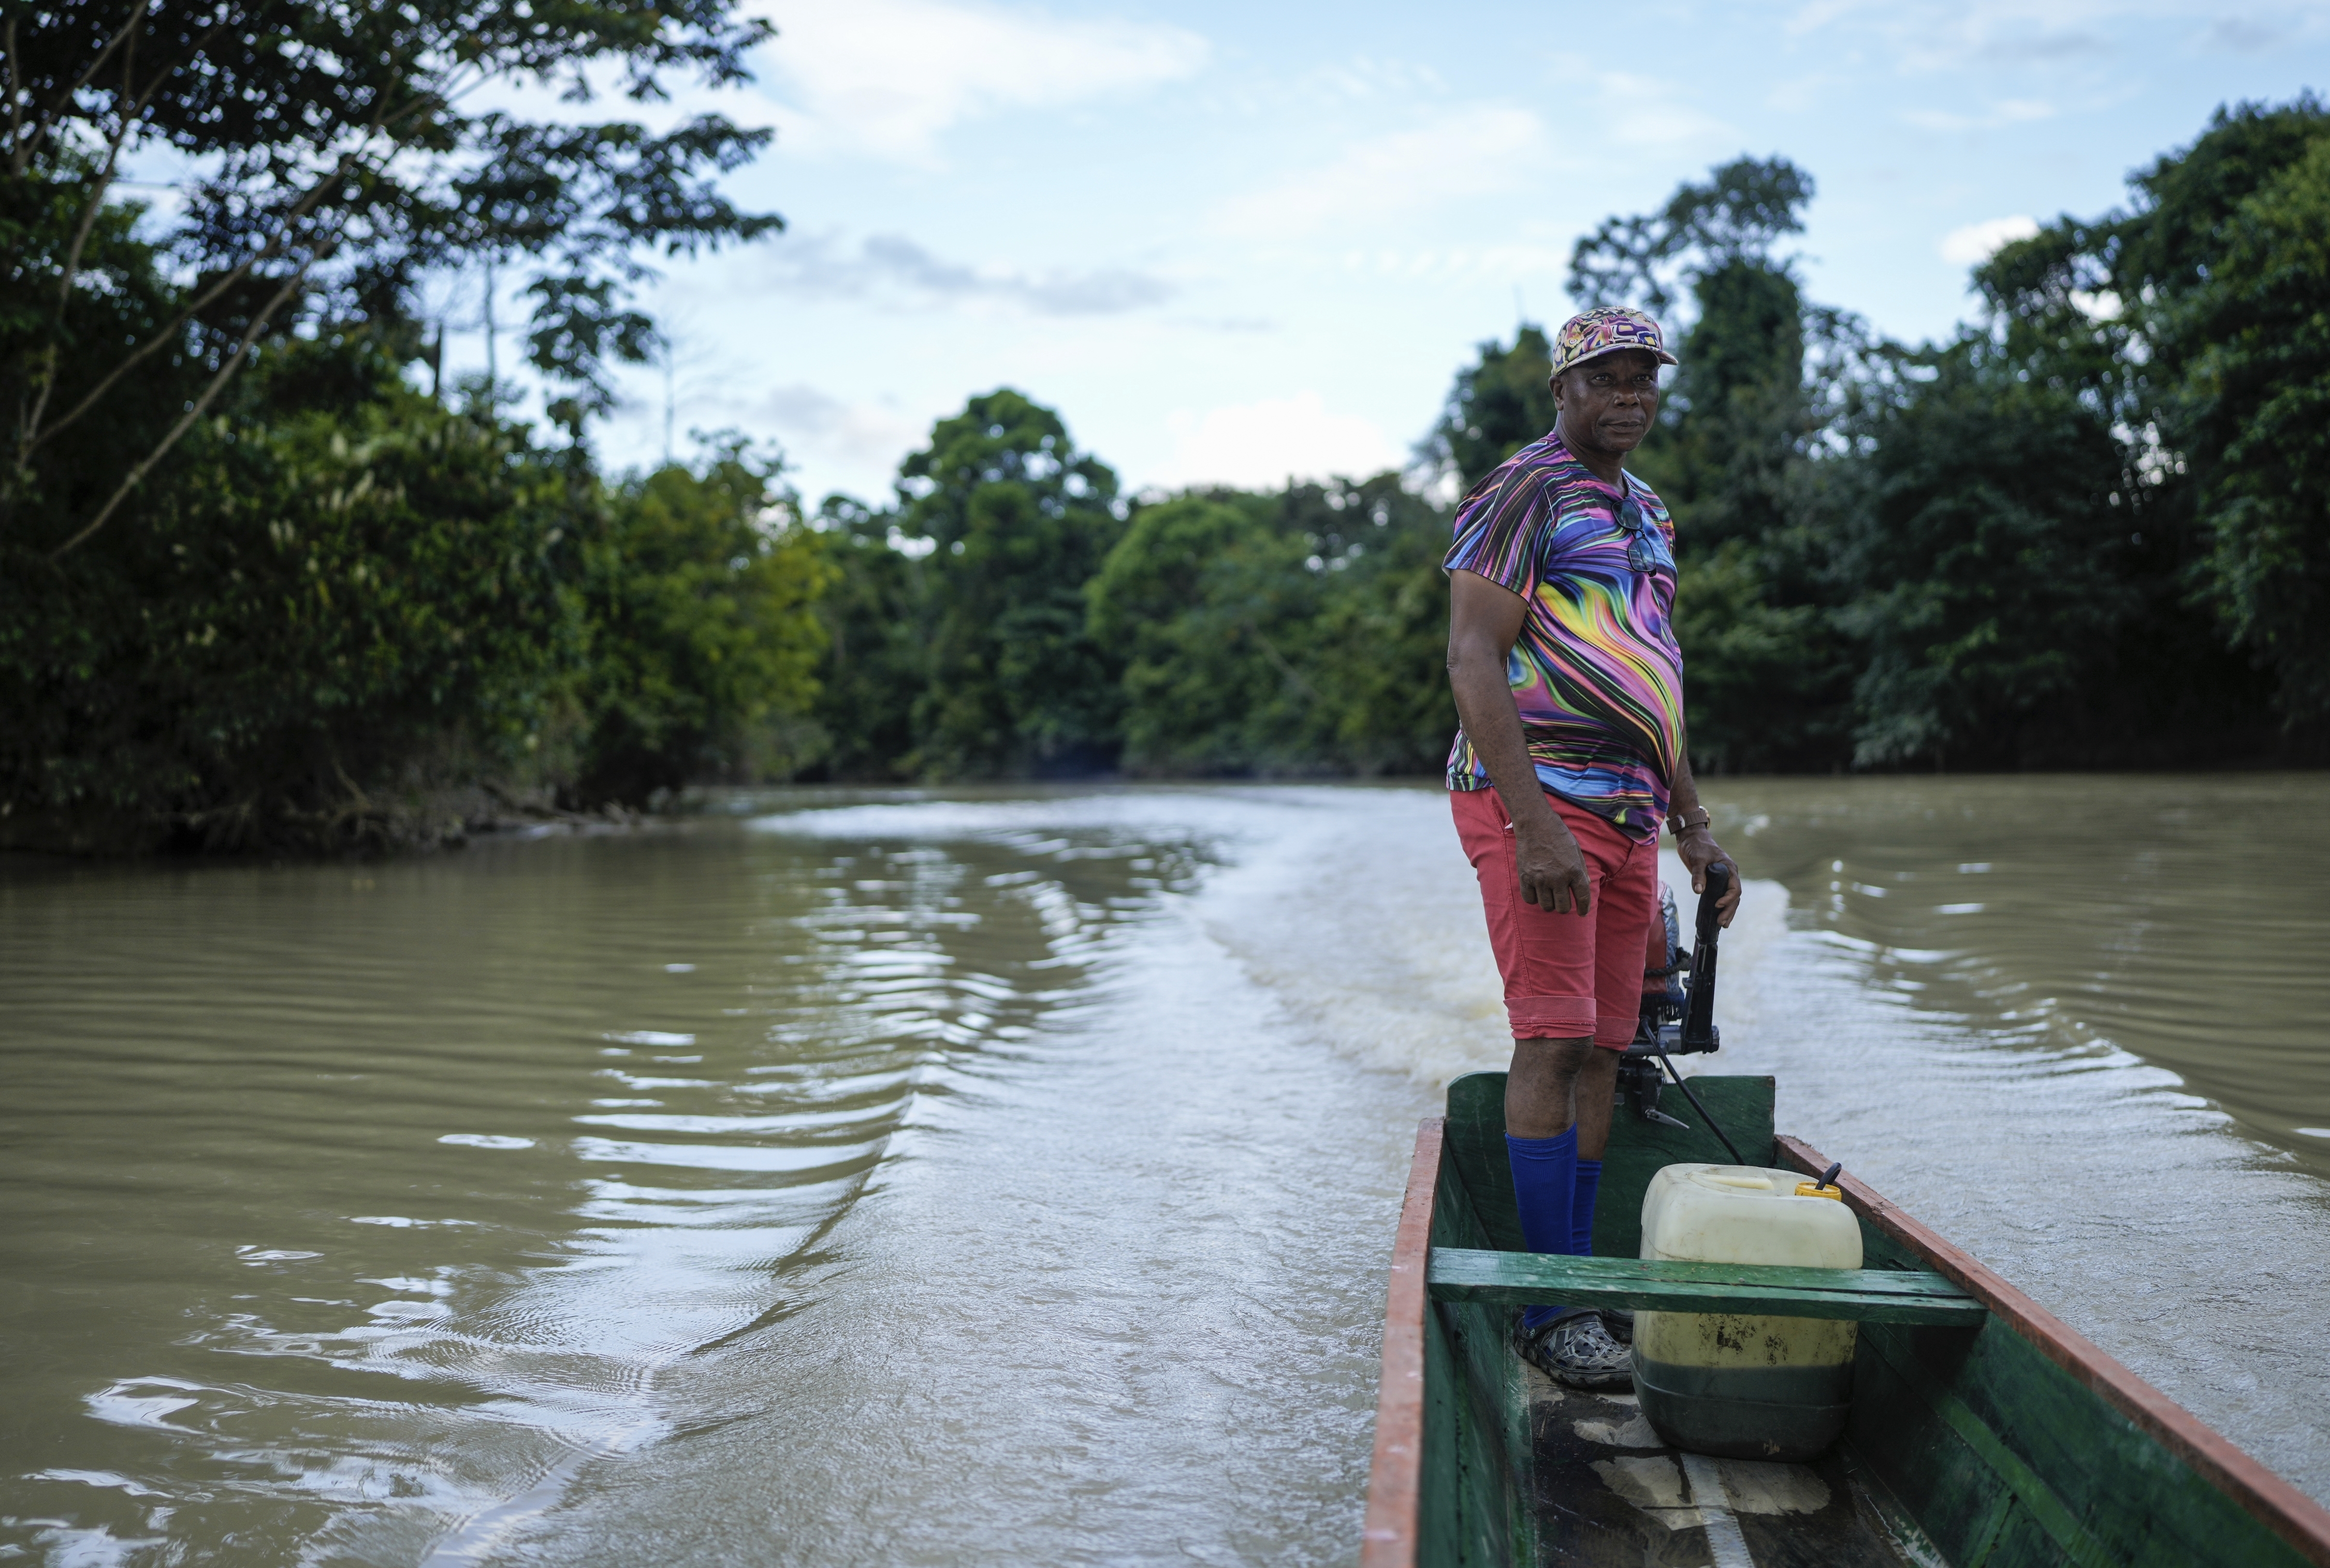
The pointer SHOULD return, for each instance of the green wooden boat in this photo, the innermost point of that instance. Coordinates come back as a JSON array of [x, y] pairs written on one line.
[[1983, 1432]]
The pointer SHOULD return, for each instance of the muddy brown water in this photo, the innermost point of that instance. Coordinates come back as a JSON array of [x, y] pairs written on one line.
[[1008, 1176]]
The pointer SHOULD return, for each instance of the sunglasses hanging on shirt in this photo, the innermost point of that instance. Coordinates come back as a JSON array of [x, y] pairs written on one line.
[[1641, 554]]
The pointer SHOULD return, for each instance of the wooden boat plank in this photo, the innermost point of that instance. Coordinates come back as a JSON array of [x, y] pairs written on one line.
[[2003, 1381], [1536, 1270], [1463, 1502], [1873, 1295], [1493, 1413], [2036, 1501], [1387, 1536], [1625, 1498], [2007, 1461]]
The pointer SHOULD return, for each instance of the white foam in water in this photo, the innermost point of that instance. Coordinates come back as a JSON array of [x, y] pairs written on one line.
[[1365, 921], [1115, 1299], [1383, 952]]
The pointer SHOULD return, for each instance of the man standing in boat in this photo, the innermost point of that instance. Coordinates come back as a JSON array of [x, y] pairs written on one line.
[[1569, 685]]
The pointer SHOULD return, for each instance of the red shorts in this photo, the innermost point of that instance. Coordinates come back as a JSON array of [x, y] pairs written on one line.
[[1567, 976]]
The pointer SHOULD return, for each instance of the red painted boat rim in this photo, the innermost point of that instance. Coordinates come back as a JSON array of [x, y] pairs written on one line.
[[1389, 1535]]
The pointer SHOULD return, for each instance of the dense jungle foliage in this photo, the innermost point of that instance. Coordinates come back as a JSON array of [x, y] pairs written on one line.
[[337, 609], [257, 588]]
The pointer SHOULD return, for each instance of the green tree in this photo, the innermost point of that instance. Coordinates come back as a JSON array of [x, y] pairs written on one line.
[[1202, 598], [875, 663], [1766, 684], [1017, 521], [1984, 560], [1498, 406], [1735, 418], [325, 616], [1378, 649], [1736, 423], [1304, 632], [698, 588], [2185, 320], [387, 602], [2251, 414], [1742, 211], [343, 151]]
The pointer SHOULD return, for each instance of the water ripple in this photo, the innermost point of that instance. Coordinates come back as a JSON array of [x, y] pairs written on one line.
[[393, 1205]]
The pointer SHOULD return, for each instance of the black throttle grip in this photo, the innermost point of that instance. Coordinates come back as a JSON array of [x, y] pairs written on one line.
[[1699, 1013]]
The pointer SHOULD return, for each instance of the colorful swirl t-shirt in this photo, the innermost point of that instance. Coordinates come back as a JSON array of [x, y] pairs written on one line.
[[1597, 673]]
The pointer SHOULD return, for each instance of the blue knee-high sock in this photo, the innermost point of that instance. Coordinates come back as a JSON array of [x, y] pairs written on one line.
[[1581, 1207], [1545, 1187]]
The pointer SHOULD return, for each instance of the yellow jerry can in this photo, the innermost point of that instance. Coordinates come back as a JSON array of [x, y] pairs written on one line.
[[1733, 1384]]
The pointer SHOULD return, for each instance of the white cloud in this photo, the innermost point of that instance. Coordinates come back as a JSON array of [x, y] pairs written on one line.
[[1929, 35], [1652, 112], [2247, 34], [2012, 112], [1818, 14], [1460, 263], [891, 267], [888, 77], [1920, 36], [1796, 94], [860, 442], [1261, 444], [1468, 153], [1978, 243], [1364, 79]]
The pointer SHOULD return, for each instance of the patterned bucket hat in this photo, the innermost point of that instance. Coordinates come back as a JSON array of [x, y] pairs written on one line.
[[1592, 333]]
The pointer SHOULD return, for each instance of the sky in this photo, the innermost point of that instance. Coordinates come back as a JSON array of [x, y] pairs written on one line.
[[1237, 243]]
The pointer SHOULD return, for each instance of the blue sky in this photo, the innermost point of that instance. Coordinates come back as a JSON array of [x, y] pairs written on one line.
[[1236, 243]]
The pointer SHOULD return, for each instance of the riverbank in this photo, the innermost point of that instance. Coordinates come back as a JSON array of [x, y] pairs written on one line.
[[355, 823]]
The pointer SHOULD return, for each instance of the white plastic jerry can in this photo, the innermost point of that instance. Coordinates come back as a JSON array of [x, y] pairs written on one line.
[[1729, 1384]]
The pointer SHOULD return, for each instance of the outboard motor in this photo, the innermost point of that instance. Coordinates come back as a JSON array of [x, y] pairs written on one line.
[[1678, 1015]]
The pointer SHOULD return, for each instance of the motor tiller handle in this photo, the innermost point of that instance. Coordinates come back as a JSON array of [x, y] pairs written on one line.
[[1699, 1013]]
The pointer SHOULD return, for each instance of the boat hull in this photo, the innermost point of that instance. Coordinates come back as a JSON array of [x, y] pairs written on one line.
[[2005, 1442]]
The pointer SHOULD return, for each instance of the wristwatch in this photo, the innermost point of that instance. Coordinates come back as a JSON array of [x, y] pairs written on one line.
[[1683, 822]]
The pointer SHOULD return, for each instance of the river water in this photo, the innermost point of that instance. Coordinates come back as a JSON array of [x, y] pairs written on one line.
[[1008, 1176]]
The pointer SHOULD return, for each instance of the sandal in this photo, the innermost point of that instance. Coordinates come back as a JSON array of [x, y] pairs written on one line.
[[1577, 1351]]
